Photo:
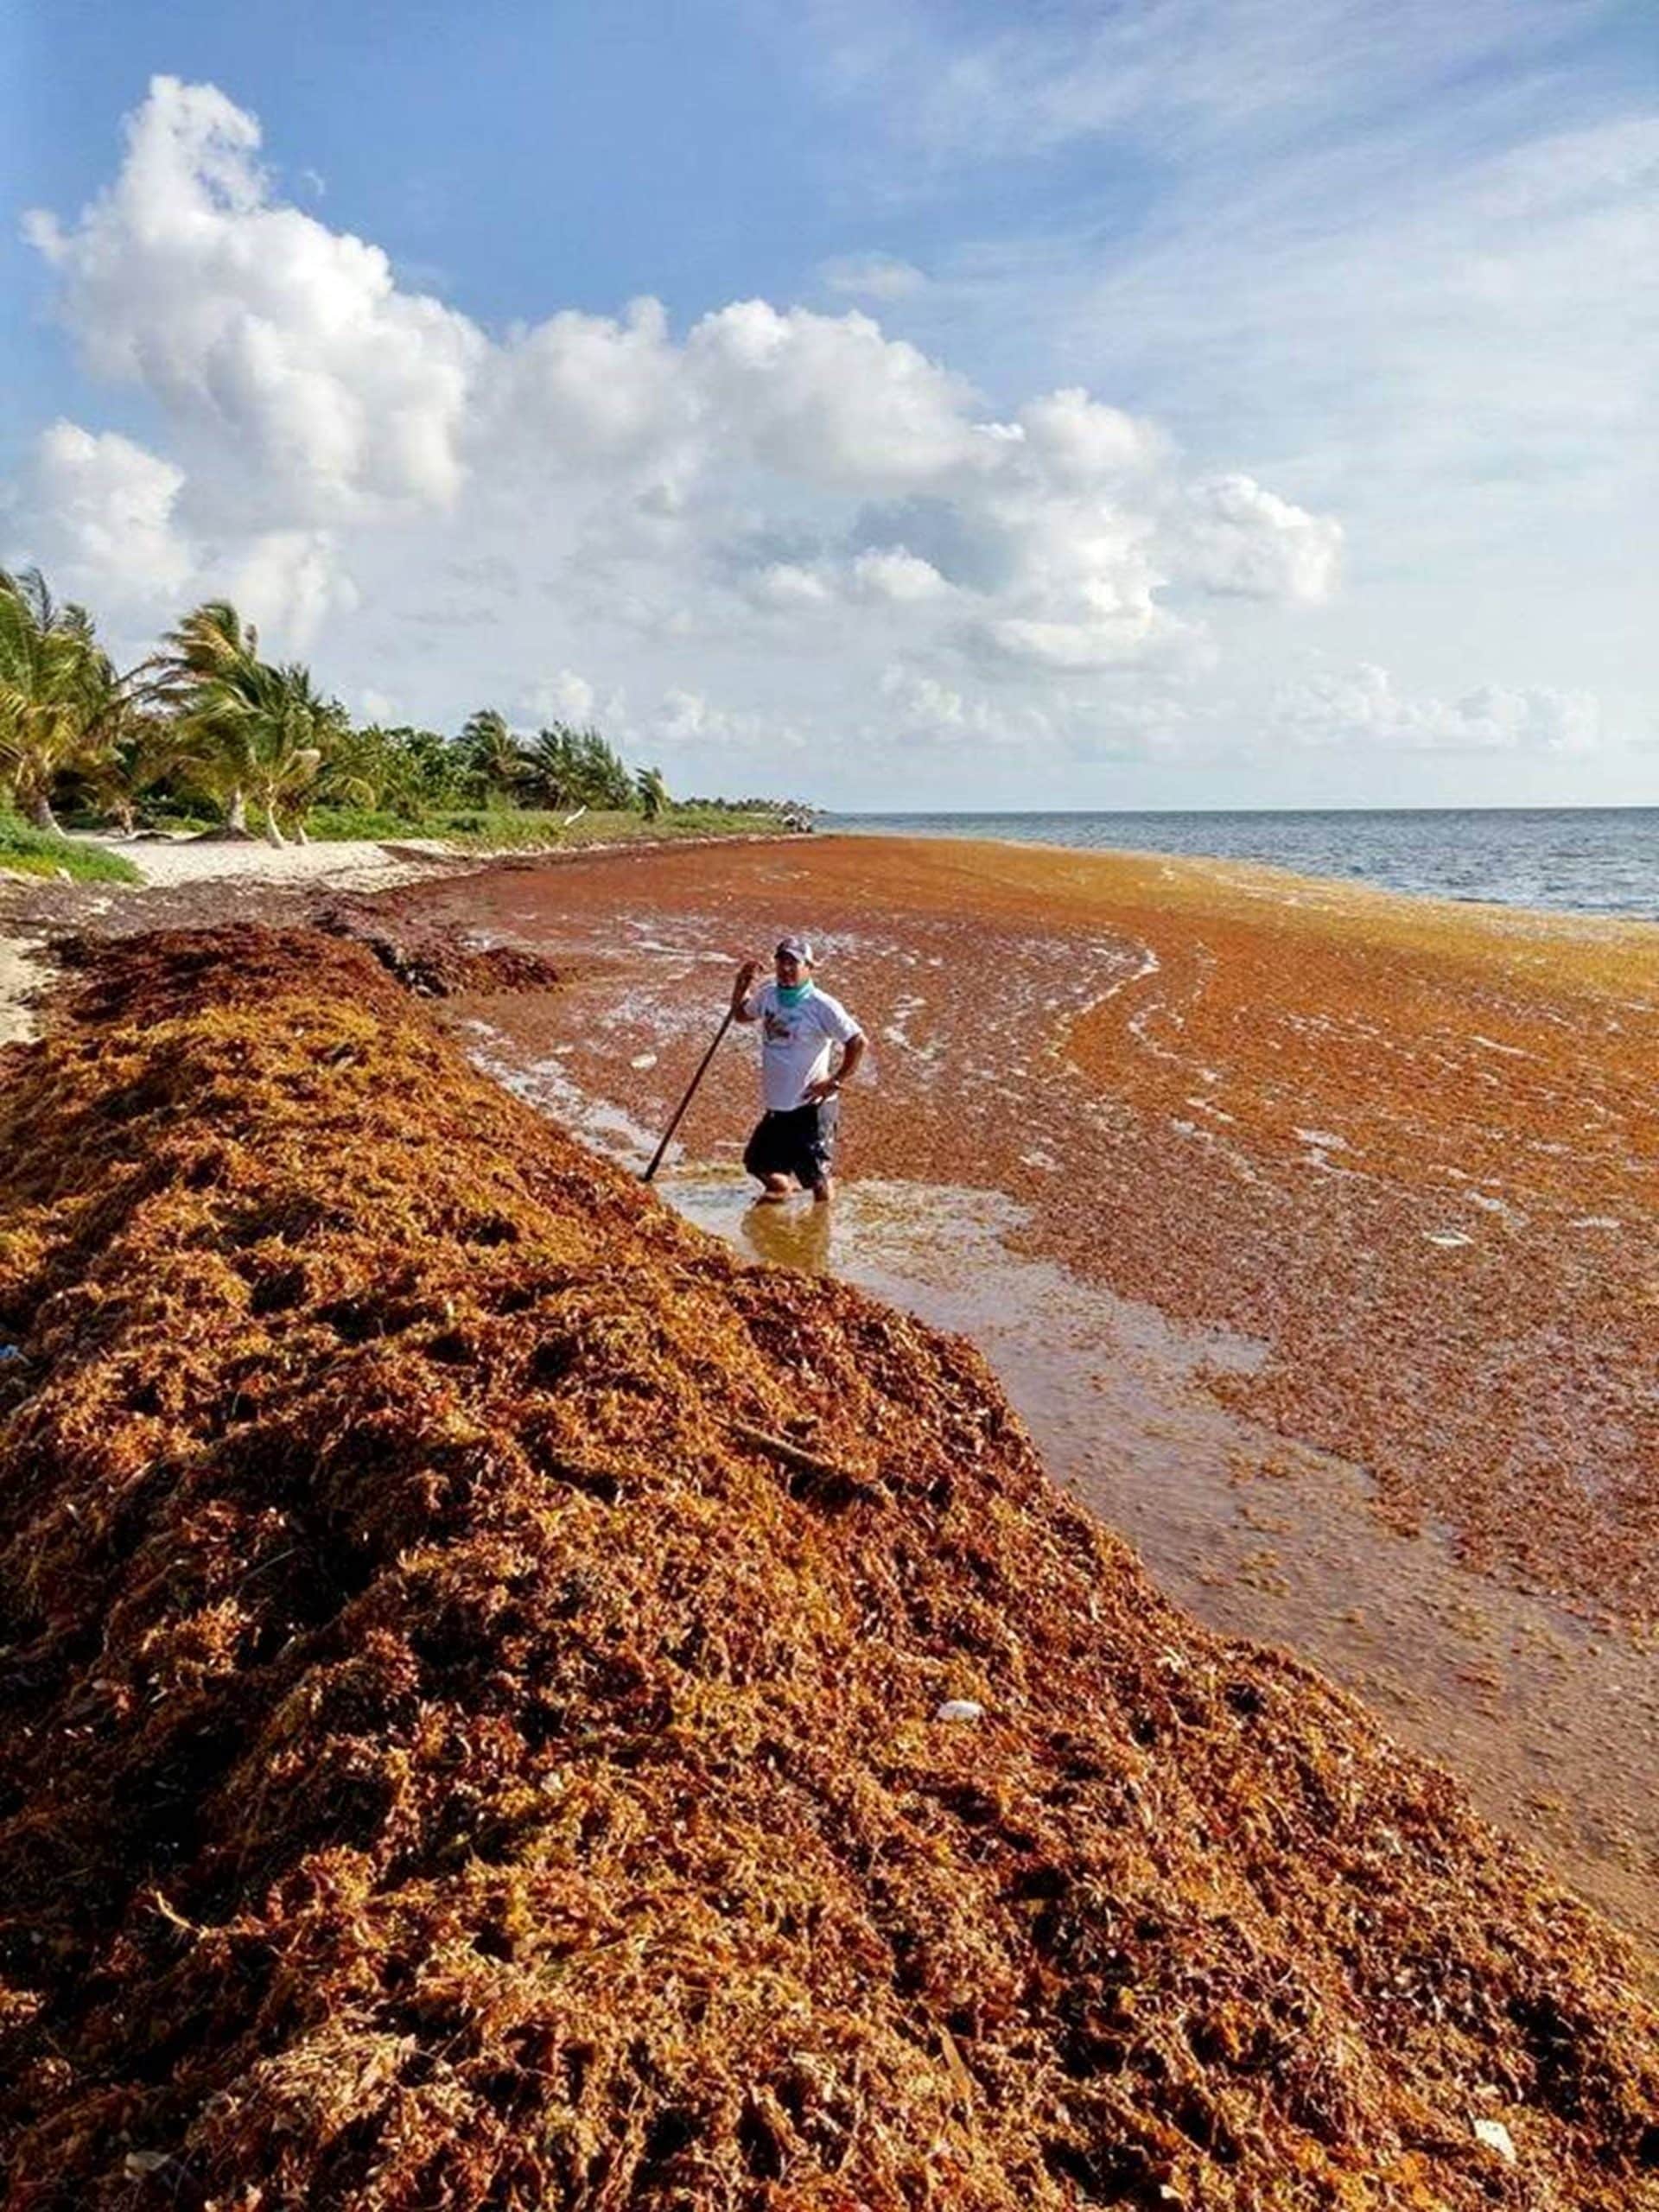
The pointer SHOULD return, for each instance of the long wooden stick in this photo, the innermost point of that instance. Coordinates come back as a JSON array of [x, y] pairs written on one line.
[[690, 1092], [830, 1477], [805, 1462]]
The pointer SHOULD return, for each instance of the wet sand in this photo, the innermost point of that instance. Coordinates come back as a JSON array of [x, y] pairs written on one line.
[[1312, 1230]]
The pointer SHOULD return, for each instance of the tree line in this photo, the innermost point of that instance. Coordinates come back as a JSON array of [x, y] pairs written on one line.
[[204, 722]]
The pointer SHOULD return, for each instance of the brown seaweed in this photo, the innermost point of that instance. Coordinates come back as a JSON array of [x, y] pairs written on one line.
[[455, 1760]]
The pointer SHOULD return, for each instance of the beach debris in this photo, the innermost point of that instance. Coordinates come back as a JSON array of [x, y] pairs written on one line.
[[1495, 2137], [959, 1708], [828, 1480], [1346, 1014], [9, 1351], [447, 1770]]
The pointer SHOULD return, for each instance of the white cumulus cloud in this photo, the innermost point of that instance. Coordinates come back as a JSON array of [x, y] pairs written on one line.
[[1079, 441], [103, 515], [879, 576], [829, 399], [896, 575], [589, 392], [1240, 538], [565, 697], [290, 581], [107, 528], [789, 588], [261, 331]]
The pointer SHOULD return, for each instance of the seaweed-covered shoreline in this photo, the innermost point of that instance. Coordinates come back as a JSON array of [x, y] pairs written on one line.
[[1403, 1148], [476, 1655], [1408, 1144]]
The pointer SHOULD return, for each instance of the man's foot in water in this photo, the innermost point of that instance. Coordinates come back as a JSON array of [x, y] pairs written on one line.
[[823, 1192], [774, 1191]]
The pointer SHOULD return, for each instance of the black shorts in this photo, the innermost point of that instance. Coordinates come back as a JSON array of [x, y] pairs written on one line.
[[801, 1143]]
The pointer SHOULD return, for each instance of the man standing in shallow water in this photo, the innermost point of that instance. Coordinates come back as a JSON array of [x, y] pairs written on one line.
[[800, 1027]]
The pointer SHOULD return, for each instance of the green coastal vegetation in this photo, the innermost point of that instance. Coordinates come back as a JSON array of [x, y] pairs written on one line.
[[39, 852], [204, 735]]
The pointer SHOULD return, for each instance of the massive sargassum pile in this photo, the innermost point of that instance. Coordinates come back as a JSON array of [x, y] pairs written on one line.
[[449, 1764]]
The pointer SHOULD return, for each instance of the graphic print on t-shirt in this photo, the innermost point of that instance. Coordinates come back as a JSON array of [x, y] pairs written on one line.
[[796, 1042]]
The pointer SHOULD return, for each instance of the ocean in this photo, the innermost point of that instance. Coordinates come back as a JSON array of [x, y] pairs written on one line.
[[1580, 860]]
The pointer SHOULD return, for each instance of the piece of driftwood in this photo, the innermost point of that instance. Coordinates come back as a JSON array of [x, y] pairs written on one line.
[[828, 1481]]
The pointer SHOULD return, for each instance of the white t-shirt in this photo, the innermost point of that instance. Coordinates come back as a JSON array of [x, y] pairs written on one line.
[[795, 1042]]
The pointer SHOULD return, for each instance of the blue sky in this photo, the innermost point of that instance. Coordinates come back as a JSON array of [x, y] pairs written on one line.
[[1185, 403]]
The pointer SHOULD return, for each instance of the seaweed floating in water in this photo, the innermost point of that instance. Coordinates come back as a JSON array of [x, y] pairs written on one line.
[[456, 1758]]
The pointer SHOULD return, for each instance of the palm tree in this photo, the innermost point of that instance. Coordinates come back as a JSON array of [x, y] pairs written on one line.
[[609, 782], [260, 732], [207, 676], [143, 750], [403, 771], [576, 767], [552, 768], [492, 751], [653, 792], [56, 685], [364, 768], [288, 732]]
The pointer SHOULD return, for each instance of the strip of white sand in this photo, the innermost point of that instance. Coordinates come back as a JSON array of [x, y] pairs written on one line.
[[355, 864]]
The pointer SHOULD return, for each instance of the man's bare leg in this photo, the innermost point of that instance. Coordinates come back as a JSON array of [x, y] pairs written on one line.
[[773, 1191], [823, 1191]]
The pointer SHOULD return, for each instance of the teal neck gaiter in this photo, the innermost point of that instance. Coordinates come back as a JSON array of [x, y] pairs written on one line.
[[791, 993]]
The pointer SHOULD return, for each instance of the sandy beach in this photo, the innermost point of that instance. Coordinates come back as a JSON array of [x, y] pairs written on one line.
[[1311, 1230]]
